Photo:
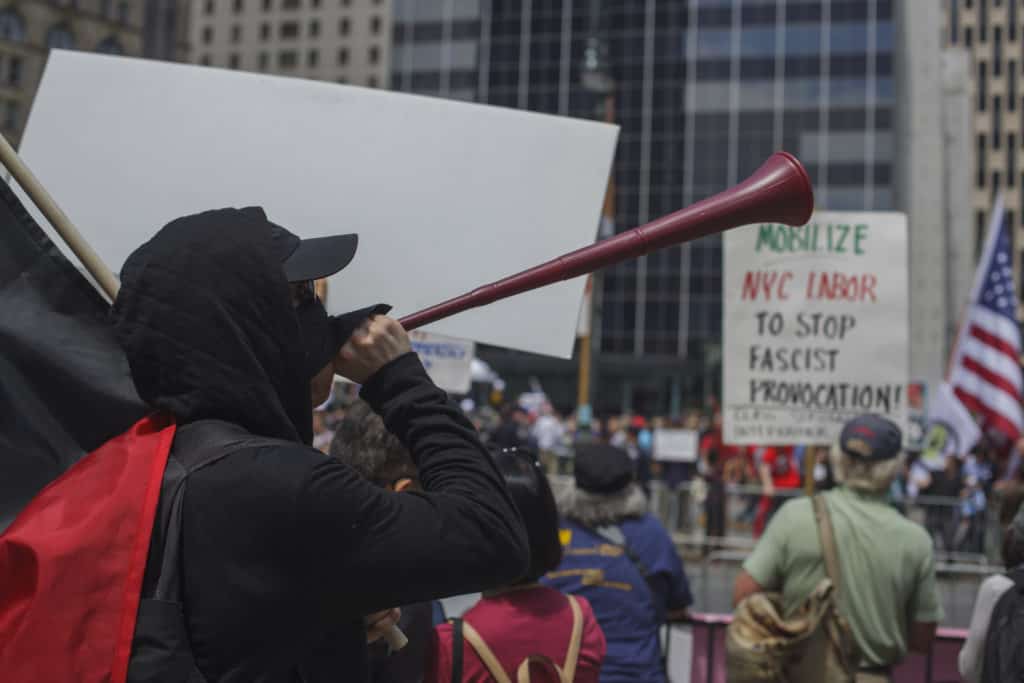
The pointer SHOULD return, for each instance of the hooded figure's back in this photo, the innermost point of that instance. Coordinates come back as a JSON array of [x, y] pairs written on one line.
[[283, 549]]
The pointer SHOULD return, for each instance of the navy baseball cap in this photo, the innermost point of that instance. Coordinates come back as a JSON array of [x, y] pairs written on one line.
[[600, 468], [308, 259], [871, 437]]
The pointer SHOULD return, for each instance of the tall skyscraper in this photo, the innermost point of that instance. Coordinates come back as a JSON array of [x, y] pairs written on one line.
[[28, 29], [704, 92], [992, 33], [347, 41]]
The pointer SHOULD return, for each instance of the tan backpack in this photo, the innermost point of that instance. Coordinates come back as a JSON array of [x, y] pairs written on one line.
[[565, 673], [815, 645]]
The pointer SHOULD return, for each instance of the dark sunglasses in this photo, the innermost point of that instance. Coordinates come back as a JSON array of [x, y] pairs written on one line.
[[303, 292]]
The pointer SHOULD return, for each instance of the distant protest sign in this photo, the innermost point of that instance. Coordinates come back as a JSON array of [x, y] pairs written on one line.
[[815, 326], [675, 445]]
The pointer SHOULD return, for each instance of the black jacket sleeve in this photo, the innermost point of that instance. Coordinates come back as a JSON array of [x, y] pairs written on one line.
[[462, 534]]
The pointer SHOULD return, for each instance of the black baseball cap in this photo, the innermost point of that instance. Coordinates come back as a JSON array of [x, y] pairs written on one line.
[[600, 468], [308, 259], [872, 438]]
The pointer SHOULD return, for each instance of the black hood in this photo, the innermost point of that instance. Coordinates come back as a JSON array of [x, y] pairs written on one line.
[[204, 315]]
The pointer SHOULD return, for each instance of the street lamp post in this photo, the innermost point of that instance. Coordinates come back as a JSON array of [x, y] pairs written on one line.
[[597, 80]]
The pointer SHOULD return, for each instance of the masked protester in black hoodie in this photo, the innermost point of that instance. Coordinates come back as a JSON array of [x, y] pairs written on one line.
[[283, 550]]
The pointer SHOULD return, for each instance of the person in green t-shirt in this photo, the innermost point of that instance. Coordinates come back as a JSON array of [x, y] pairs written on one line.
[[887, 565]]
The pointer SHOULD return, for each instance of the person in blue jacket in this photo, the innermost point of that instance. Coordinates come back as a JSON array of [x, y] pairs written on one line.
[[622, 560]]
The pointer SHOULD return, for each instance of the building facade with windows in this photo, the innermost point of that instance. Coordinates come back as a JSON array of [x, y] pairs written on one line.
[[346, 41], [29, 28], [992, 33], [166, 30], [704, 92]]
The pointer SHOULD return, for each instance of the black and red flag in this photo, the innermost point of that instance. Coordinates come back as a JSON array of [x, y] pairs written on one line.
[[80, 468]]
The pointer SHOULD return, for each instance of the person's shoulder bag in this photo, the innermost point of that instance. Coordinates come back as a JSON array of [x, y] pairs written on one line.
[[815, 645], [463, 631]]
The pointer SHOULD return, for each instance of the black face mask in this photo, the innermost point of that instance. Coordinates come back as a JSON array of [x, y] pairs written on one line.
[[323, 335], [317, 337]]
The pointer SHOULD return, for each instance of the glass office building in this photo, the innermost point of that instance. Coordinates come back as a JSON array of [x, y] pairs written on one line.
[[704, 92]]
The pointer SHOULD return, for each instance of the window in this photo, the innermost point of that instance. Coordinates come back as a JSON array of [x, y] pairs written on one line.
[[12, 26], [289, 30], [207, 35], [59, 37], [290, 4], [982, 93], [106, 8], [11, 114], [111, 46], [236, 33], [983, 21], [979, 232], [287, 59], [980, 179], [968, 36], [208, 9], [996, 182], [375, 25], [371, 82], [346, 3], [374, 54], [344, 26], [997, 51], [122, 11], [1011, 159], [267, 5], [316, 4], [205, 60], [234, 61], [264, 31], [1011, 86], [314, 28], [343, 56], [313, 58], [239, 5], [264, 61], [997, 121], [14, 71]]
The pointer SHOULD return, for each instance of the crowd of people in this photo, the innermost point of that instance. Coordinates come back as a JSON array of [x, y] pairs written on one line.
[[604, 575], [742, 487]]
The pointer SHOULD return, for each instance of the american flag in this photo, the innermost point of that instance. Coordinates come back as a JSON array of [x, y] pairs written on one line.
[[986, 372]]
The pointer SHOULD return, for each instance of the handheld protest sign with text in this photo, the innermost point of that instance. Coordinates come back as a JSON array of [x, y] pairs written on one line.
[[815, 327]]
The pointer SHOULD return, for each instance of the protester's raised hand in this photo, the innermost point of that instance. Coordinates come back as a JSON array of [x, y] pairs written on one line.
[[379, 623], [373, 345]]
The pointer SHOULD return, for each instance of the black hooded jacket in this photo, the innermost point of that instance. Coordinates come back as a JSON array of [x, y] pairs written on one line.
[[284, 549]]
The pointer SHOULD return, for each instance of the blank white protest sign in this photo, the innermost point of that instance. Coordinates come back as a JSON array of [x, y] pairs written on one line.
[[445, 195]]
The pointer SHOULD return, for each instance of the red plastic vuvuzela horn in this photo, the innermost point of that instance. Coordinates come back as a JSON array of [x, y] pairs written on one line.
[[778, 192]]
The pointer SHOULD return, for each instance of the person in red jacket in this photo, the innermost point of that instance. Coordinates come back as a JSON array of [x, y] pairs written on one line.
[[777, 468], [517, 623]]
